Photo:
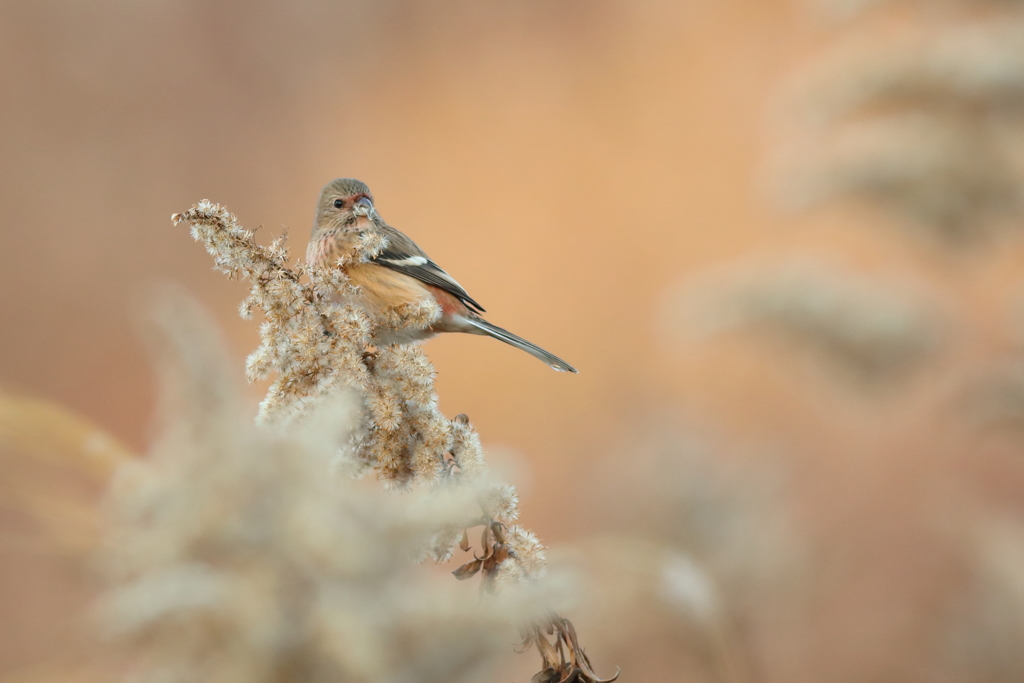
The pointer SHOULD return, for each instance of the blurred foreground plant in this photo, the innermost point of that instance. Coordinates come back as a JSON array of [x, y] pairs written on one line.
[[55, 466], [54, 462], [233, 557]]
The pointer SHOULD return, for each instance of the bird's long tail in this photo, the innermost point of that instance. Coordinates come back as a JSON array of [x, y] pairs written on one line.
[[520, 343]]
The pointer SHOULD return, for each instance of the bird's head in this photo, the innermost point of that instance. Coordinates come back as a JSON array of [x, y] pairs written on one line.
[[344, 203]]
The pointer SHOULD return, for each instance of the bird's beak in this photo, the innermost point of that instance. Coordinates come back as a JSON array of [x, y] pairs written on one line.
[[363, 207]]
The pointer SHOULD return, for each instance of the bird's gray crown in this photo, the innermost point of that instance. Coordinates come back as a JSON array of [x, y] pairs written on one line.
[[346, 187]]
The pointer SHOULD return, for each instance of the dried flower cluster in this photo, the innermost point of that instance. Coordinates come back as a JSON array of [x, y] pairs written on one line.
[[316, 347], [232, 556], [924, 121], [874, 330]]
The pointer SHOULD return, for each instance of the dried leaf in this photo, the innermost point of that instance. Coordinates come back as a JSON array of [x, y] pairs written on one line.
[[468, 570], [485, 540], [547, 651], [555, 668], [548, 675], [572, 677]]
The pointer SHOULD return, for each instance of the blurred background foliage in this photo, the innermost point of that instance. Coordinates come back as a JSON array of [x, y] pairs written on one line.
[[778, 238]]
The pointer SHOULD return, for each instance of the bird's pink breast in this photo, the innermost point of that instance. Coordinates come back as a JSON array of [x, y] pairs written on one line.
[[319, 249]]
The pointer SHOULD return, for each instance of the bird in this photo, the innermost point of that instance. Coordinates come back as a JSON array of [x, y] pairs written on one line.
[[400, 274]]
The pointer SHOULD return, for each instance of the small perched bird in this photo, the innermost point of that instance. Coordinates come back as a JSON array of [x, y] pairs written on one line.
[[401, 274]]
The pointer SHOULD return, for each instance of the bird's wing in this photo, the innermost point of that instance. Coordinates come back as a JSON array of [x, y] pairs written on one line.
[[403, 255]]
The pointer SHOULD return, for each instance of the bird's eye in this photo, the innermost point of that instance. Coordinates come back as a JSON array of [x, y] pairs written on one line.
[[338, 203]]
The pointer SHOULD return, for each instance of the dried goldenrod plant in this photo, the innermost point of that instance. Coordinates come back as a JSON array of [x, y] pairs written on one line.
[[870, 329], [923, 120], [317, 348]]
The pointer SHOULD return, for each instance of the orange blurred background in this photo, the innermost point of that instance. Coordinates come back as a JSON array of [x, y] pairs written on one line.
[[569, 163]]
